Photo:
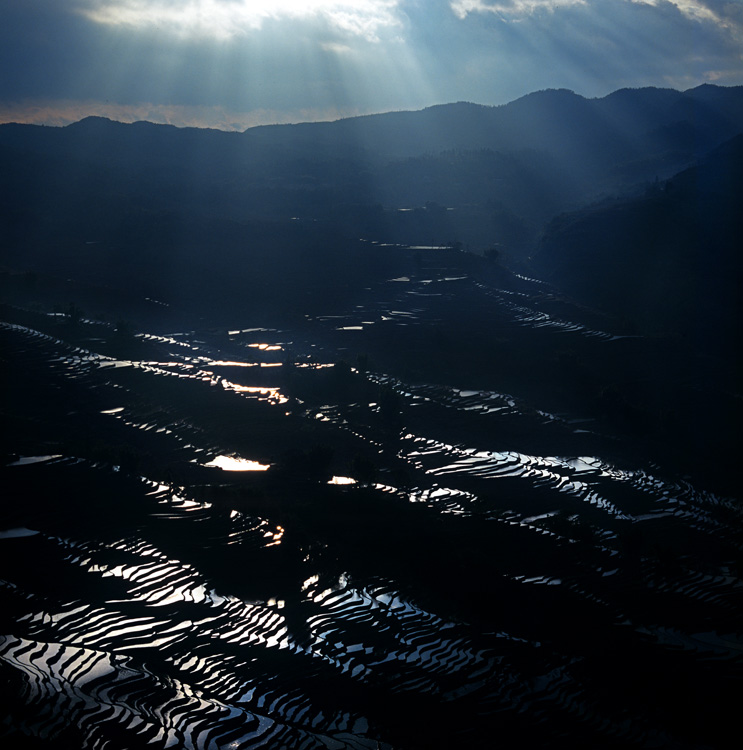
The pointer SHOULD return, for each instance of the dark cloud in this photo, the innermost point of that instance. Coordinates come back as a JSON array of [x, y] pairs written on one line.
[[43, 47]]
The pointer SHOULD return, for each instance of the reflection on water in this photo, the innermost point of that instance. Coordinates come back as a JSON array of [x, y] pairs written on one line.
[[275, 536], [17, 533], [249, 330], [27, 460], [225, 363], [271, 395], [342, 480], [233, 463]]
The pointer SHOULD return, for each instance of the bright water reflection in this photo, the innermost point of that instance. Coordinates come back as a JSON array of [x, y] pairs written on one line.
[[272, 395], [234, 463], [342, 480], [17, 533], [27, 460]]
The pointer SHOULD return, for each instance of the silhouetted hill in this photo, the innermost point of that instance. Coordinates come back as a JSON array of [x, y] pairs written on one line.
[[551, 120], [669, 261], [586, 135], [160, 197]]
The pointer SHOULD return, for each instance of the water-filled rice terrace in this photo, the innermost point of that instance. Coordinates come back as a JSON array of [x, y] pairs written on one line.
[[384, 527]]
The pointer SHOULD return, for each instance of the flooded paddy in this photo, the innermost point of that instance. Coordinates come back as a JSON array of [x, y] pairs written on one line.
[[446, 517]]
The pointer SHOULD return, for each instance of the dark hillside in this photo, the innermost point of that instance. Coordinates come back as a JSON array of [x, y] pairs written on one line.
[[545, 153], [669, 261]]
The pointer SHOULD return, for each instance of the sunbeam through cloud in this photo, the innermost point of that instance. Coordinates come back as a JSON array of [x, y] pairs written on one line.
[[225, 19]]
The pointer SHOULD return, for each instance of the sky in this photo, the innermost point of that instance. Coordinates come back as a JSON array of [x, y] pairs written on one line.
[[234, 64]]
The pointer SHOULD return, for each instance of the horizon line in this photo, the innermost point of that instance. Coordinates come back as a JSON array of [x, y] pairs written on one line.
[[65, 114]]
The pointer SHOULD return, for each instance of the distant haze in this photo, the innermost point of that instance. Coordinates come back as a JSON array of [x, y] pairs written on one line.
[[234, 64]]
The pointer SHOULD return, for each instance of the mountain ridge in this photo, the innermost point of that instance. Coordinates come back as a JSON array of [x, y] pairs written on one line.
[[487, 179], [588, 137], [617, 93]]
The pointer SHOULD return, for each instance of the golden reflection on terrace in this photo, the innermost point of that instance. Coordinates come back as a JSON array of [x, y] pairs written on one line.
[[275, 536], [272, 395]]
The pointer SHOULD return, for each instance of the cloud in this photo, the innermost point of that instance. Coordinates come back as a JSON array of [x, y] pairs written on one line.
[[294, 62], [226, 19], [727, 14], [508, 8], [337, 47]]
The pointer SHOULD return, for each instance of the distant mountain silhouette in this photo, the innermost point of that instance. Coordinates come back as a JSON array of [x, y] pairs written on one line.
[[155, 199], [557, 120]]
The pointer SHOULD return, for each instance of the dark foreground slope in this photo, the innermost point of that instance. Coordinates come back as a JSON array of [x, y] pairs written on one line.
[[265, 484], [466, 535]]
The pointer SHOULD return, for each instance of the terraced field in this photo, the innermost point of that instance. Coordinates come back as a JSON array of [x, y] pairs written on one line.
[[443, 518]]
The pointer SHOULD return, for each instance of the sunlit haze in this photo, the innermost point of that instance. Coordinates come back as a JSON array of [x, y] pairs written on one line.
[[233, 64]]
